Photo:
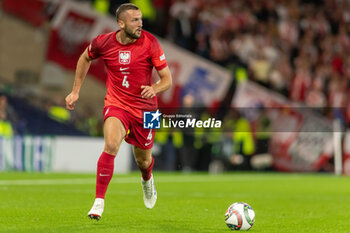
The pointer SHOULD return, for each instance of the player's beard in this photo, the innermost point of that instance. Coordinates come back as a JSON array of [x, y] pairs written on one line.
[[129, 33]]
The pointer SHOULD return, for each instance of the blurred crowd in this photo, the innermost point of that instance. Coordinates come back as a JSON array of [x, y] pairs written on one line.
[[299, 48]]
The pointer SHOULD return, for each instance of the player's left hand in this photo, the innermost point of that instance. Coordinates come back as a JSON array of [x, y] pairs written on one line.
[[147, 92]]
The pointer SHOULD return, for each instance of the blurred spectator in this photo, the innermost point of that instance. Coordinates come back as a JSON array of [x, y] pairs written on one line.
[[168, 142], [219, 47], [301, 82], [188, 154], [114, 4], [101, 6], [90, 123], [260, 68], [315, 97], [148, 12], [262, 132], [243, 143], [181, 13], [8, 118], [203, 144], [57, 111], [281, 75], [161, 9], [223, 149]]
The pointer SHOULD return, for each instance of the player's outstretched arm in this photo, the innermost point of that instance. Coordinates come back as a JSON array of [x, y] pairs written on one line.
[[83, 66], [163, 84]]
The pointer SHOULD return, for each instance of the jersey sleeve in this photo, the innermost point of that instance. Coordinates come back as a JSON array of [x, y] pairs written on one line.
[[94, 48], [157, 55]]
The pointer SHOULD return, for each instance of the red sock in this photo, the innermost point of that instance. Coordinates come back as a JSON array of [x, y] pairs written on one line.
[[105, 168], [146, 173]]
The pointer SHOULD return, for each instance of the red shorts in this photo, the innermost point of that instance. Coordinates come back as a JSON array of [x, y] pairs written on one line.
[[136, 135]]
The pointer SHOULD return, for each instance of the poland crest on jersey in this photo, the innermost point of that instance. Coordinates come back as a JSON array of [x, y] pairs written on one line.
[[124, 57]]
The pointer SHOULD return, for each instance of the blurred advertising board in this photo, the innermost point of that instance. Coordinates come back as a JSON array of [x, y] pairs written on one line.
[[26, 153], [35, 12], [346, 153], [301, 139], [207, 82], [72, 29], [58, 154]]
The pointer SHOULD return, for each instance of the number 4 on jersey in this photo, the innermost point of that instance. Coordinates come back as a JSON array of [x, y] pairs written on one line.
[[149, 137], [125, 82]]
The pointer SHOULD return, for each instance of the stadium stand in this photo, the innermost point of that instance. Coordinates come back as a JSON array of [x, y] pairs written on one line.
[[31, 120]]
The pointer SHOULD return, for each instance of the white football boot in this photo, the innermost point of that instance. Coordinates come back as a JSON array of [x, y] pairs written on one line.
[[97, 209], [149, 192]]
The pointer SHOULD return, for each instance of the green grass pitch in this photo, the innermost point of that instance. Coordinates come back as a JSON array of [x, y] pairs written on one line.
[[283, 203]]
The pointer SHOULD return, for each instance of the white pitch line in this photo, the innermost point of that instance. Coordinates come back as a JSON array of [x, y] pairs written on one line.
[[46, 182], [130, 180], [93, 180]]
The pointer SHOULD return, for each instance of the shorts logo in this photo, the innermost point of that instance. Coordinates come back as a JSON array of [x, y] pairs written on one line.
[[124, 57], [151, 120], [106, 111], [147, 143]]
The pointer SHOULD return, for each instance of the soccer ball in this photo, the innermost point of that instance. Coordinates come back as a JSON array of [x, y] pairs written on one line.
[[239, 216]]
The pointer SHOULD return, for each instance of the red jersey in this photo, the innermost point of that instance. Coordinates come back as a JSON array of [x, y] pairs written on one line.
[[129, 66]]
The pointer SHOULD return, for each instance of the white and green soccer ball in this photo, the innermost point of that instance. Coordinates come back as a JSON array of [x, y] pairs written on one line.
[[239, 216]]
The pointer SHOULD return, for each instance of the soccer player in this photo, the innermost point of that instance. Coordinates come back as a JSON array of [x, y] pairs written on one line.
[[129, 55]]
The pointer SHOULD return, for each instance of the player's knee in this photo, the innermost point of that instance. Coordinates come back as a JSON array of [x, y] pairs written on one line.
[[143, 163], [111, 148]]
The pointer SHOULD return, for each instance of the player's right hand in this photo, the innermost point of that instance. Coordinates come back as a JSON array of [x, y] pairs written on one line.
[[70, 100]]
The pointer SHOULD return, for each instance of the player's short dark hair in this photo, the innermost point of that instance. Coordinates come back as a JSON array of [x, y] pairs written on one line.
[[124, 7]]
